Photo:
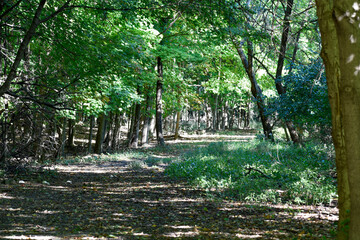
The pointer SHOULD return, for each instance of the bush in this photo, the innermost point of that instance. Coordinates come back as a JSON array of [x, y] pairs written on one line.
[[261, 171], [306, 102]]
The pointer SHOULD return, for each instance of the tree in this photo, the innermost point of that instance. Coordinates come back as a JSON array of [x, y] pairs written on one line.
[[159, 107], [306, 102], [339, 25], [279, 87]]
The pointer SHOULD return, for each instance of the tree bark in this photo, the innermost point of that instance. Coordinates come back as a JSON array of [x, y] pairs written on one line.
[[146, 126], [341, 54], [159, 85], [215, 113], [100, 134], [71, 133], [255, 88], [116, 134], [178, 117], [134, 139], [91, 133], [278, 83], [63, 139], [284, 39], [4, 146], [109, 126]]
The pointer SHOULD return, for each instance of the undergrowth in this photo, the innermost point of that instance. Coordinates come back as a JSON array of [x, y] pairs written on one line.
[[261, 171]]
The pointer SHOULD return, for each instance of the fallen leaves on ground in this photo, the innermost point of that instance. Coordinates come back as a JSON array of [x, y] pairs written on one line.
[[144, 204]]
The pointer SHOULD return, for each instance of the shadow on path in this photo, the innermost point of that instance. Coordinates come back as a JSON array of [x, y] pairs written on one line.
[[112, 201]]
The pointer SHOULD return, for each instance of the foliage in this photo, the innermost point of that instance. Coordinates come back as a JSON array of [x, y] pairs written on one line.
[[261, 172], [306, 102]]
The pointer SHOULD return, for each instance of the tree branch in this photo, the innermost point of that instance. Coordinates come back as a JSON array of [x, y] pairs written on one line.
[[61, 9], [178, 15], [256, 170], [265, 68], [10, 9], [22, 48]]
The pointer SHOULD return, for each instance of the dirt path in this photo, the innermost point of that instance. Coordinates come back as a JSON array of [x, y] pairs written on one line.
[[111, 200]]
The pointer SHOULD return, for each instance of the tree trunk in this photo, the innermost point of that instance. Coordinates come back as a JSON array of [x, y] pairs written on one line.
[[116, 133], [63, 139], [134, 139], [4, 146], [255, 88], [177, 126], [341, 54], [152, 129], [198, 119], [38, 136], [231, 118], [71, 133], [146, 126], [109, 126], [286, 133], [159, 85], [240, 117], [215, 109], [100, 134], [91, 133], [278, 83], [131, 124]]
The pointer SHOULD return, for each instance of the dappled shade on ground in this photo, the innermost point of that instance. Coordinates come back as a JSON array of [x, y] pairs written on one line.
[[112, 200]]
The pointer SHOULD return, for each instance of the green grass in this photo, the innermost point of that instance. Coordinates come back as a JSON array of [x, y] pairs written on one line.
[[101, 158], [261, 172]]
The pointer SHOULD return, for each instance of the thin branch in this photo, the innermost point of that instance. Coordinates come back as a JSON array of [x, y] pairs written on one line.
[[22, 48], [10, 9], [256, 170], [178, 15], [33, 99], [116, 9], [307, 9], [265, 68], [61, 9]]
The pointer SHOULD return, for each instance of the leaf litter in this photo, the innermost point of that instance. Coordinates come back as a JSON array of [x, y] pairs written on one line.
[[89, 201]]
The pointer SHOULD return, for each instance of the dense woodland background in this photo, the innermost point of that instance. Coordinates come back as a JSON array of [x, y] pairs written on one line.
[[96, 76]]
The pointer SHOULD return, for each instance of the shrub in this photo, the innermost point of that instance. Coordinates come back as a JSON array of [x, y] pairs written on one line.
[[260, 171]]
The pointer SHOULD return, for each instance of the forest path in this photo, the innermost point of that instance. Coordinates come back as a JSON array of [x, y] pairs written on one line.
[[112, 200]]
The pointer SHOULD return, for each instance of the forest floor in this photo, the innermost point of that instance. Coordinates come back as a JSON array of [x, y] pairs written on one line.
[[113, 200]]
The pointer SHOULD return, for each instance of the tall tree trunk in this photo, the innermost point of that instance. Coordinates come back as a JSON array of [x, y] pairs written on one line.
[[255, 88], [116, 133], [91, 133], [237, 113], [4, 146], [71, 133], [341, 54], [146, 126], [131, 122], [109, 132], [38, 137], [215, 109], [134, 139], [63, 138], [278, 83], [159, 85], [178, 117], [231, 118], [100, 134], [152, 129]]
